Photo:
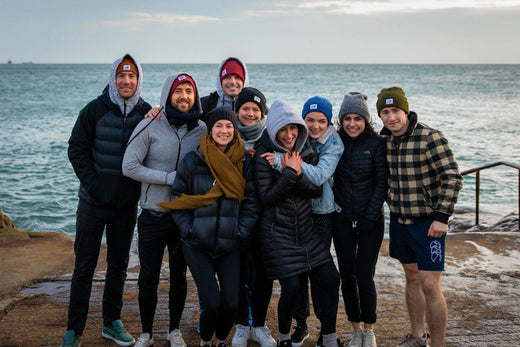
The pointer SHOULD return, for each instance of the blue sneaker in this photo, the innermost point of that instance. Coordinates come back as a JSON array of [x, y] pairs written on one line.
[[118, 334], [70, 339]]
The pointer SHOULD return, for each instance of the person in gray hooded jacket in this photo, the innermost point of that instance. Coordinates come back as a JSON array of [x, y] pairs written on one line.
[[106, 198], [290, 245], [155, 149], [231, 79]]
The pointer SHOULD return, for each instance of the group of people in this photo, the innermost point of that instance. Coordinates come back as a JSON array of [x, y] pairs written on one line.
[[243, 194]]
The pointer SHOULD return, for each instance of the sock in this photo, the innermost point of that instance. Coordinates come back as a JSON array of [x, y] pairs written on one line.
[[330, 340]]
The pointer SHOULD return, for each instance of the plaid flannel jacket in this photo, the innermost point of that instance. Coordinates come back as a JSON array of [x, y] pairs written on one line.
[[424, 179]]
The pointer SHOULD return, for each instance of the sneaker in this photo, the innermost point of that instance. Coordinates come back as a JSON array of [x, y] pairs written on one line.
[[70, 339], [222, 344], [319, 343], [241, 336], [357, 338], [369, 339], [144, 340], [414, 341], [285, 343], [299, 335], [118, 334], [175, 338], [262, 335]]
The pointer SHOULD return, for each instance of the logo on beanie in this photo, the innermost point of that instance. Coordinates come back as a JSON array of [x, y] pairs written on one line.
[[224, 72], [256, 99], [181, 78], [390, 101], [126, 68], [313, 106]]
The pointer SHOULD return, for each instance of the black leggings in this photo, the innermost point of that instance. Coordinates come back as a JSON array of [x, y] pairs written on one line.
[[357, 254], [324, 291], [255, 288], [157, 231], [220, 299]]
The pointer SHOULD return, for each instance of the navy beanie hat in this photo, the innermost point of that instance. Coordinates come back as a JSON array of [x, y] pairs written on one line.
[[220, 113], [356, 103], [318, 104]]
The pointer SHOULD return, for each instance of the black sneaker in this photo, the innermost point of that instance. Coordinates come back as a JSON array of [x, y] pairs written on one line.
[[299, 335], [285, 343]]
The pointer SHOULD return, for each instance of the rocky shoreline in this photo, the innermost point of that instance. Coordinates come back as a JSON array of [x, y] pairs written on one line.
[[481, 286]]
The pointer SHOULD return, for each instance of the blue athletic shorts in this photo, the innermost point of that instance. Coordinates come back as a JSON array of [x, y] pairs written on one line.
[[410, 243]]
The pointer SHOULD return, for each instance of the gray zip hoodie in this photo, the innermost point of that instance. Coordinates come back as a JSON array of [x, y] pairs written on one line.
[[153, 154], [281, 113], [224, 99], [126, 106]]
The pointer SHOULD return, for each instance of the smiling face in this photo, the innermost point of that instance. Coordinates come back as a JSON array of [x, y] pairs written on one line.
[[249, 113], [395, 120], [232, 85], [126, 84], [353, 124], [287, 136], [183, 97], [222, 133], [317, 123]]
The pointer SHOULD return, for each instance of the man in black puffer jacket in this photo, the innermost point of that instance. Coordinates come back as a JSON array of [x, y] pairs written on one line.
[[290, 246], [106, 197]]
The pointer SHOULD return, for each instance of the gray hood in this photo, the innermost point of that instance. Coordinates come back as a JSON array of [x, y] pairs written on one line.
[[112, 88], [167, 86], [281, 113], [224, 99]]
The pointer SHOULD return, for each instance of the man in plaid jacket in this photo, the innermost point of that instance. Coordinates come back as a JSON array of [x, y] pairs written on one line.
[[424, 183]]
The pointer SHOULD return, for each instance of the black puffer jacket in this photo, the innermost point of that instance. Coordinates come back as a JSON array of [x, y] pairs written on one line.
[[360, 180], [287, 238], [96, 149], [216, 229]]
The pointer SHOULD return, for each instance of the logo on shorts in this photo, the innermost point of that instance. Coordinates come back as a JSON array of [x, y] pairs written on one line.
[[436, 251]]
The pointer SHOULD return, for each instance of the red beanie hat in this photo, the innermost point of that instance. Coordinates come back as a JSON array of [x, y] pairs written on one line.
[[183, 78], [232, 66]]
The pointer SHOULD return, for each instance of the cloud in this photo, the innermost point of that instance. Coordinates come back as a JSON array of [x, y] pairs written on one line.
[[143, 18], [383, 6]]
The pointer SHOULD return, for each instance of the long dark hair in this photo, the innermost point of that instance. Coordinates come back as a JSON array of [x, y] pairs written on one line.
[[369, 126]]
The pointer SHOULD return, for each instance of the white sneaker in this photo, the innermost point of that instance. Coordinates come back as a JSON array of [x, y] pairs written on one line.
[[175, 338], [357, 338], [241, 336], [144, 340], [369, 339], [262, 335]]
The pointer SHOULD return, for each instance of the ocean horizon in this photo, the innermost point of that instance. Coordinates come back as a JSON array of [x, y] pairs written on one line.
[[477, 106]]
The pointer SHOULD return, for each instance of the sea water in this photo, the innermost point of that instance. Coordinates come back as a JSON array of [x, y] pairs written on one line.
[[476, 106]]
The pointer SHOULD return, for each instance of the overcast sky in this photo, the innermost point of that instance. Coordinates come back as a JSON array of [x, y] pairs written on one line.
[[279, 31]]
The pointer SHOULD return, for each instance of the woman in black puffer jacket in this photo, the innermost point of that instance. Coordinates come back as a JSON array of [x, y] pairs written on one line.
[[360, 188], [290, 246], [216, 209]]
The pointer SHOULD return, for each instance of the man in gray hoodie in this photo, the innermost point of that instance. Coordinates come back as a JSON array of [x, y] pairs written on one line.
[[231, 79], [152, 156]]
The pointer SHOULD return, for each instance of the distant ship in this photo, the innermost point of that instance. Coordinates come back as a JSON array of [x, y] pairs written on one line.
[[9, 61]]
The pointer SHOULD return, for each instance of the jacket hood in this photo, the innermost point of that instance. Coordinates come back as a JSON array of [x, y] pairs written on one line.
[[225, 99], [168, 86], [112, 88], [281, 113]]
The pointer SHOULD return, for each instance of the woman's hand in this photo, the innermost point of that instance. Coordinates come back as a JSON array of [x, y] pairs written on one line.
[[293, 161]]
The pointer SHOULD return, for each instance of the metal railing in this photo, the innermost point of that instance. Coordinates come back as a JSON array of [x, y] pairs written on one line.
[[477, 185]]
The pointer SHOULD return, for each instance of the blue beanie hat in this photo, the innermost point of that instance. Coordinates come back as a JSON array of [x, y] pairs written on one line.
[[318, 104]]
